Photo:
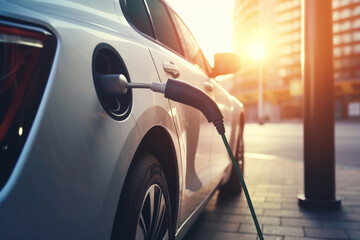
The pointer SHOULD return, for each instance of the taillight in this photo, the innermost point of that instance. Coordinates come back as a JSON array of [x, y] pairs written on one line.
[[26, 56]]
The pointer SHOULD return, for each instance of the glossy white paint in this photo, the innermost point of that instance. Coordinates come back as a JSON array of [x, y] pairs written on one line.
[[68, 179]]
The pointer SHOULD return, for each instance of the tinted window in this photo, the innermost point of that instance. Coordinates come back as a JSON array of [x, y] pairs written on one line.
[[163, 25], [138, 16], [191, 48]]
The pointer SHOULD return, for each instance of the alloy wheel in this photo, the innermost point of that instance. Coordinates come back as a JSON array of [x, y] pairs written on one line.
[[152, 223]]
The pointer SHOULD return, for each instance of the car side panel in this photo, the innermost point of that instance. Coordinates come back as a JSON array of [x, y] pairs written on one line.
[[194, 135], [219, 158], [68, 179]]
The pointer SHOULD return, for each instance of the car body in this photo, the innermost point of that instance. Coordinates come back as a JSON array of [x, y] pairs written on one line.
[[69, 152]]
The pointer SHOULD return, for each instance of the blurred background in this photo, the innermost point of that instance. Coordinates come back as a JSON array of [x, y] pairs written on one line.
[[267, 36]]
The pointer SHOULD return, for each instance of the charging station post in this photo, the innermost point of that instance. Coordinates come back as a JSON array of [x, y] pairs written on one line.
[[319, 143]]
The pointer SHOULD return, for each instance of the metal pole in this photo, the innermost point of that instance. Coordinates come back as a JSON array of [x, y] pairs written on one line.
[[317, 71], [260, 72], [260, 97]]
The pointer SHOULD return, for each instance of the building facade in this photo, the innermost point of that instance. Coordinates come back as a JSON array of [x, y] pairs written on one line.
[[277, 25]]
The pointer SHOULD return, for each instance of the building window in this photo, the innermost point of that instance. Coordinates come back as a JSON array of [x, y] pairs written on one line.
[[346, 38], [356, 11], [345, 2], [347, 50], [356, 23], [336, 40], [337, 64], [346, 13], [344, 75], [336, 3], [356, 36], [345, 63], [337, 52], [357, 48], [336, 15], [345, 26]]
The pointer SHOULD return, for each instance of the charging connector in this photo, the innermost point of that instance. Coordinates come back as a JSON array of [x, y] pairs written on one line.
[[115, 84]]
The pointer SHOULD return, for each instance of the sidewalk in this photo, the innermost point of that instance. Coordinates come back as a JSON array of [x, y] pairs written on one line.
[[274, 186]]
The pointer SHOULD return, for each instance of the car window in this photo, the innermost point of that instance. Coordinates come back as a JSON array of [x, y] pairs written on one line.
[[164, 28], [138, 16], [191, 47]]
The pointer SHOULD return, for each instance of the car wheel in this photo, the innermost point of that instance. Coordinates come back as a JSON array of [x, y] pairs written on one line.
[[144, 210], [233, 186]]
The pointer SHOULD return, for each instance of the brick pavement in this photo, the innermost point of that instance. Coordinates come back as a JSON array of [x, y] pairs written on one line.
[[274, 186]]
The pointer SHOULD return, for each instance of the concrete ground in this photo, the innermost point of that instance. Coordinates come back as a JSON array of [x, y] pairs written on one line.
[[274, 185]]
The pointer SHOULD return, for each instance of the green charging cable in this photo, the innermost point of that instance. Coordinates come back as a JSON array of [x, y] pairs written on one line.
[[248, 199]]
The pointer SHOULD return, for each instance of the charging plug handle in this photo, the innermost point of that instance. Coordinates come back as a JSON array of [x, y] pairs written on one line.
[[117, 84], [187, 94]]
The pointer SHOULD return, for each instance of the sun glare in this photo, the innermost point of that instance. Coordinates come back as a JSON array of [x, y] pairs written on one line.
[[257, 51], [212, 27]]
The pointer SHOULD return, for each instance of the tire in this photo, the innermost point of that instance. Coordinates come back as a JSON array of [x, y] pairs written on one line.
[[145, 186], [233, 186]]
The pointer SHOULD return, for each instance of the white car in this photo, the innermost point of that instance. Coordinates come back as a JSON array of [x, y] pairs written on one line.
[[78, 163]]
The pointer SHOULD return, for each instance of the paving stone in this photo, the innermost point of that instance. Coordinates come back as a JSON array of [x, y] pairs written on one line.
[[234, 236], [290, 206], [196, 235], [242, 211], [261, 194], [356, 209], [352, 203], [325, 233], [282, 230], [249, 219], [212, 217], [257, 199], [238, 219], [269, 237], [349, 216], [297, 238], [354, 234], [274, 190], [215, 226], [347, 209], [240, 204], [282, 199], [293, 195], [247, 228], [268, 220], [299, 222], [341, 225], [267, 205], [282, 213], [319, 215]]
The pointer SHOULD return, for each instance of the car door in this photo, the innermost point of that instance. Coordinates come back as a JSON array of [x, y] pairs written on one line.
[[218, 155], [194, 132]]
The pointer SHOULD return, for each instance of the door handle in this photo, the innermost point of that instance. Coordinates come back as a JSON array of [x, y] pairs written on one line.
[[208, 86], [172, 69]]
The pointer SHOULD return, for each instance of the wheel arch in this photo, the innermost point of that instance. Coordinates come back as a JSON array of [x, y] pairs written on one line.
[[164, 151], [158, 142]]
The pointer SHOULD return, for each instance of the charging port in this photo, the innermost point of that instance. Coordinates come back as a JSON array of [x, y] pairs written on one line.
[[106, 60]]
